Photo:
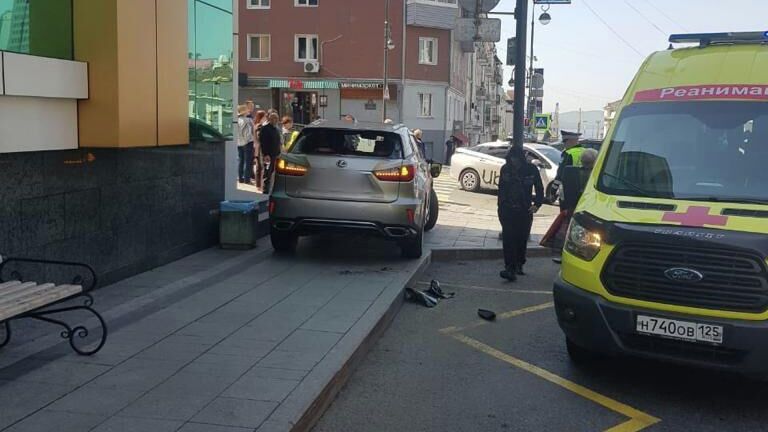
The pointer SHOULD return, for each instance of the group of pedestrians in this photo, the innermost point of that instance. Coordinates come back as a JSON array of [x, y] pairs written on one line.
[[261, 137], [521, 194]]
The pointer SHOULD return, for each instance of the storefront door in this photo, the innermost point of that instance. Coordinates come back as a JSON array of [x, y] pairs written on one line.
[[300, 105]]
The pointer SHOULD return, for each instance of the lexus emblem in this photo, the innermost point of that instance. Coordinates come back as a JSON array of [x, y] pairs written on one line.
[[679, 274], [341, 163]]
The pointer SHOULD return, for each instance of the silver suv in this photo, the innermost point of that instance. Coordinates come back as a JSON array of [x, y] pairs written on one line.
[[352, 176]]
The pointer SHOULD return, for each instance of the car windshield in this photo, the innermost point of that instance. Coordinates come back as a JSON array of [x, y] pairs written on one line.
[[551, 153], [342, 142], [713, 151]]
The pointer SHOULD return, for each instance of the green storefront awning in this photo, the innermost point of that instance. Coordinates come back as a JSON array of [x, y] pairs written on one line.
[[304, 84]]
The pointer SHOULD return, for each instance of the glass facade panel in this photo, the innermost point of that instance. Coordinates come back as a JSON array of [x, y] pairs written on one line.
[[37, 27], [210, 63]]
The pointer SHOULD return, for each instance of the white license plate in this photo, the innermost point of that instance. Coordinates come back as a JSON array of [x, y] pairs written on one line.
[[685, 330]]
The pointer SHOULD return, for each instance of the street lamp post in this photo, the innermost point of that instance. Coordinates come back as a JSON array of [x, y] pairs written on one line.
[[521, 15], [388, 45], [531, 100]]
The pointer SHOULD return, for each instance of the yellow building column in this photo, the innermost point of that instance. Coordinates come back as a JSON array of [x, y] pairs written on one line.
[[137, 56]]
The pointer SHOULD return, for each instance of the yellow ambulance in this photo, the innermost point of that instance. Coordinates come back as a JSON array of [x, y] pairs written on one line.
[[665, 257]]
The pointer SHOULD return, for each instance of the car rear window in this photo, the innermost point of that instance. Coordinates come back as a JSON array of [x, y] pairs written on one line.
[[343, 142]]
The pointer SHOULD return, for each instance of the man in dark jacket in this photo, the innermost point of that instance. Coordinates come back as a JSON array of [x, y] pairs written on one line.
[[269, 137], [517, 204]]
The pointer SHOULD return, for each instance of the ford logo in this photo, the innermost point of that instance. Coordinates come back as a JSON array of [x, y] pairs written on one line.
[[679, 274], [341, 163]]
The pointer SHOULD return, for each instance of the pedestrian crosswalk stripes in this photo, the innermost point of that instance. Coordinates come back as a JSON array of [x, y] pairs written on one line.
[[444, 186]]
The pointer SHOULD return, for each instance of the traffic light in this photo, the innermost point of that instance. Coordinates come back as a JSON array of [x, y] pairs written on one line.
[[511, 50]]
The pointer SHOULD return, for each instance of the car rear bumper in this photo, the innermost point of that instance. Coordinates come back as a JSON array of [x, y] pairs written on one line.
[[594, 323], [309, 216]]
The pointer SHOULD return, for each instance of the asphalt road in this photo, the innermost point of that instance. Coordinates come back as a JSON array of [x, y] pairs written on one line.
[[443, 369]]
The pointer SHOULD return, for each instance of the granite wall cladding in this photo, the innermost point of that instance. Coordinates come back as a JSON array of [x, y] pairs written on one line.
[[123, 211]]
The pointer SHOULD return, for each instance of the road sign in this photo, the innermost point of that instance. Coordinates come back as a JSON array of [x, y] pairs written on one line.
[[541, 122], [511, 51], [488, 31], [549, 2], [537, 82], [471, 5]]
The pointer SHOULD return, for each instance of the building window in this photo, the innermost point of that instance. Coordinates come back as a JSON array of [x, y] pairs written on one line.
[[425, 104], [259, 47], [41, 28], [427, 51], [306, 48], [258, 4], [306, 3], [210, 67]]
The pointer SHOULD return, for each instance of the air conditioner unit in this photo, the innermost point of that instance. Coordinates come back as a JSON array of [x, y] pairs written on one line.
[[312, 67]]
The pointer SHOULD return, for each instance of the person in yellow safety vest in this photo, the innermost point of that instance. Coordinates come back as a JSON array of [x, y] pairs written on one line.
[[571, 155], [289, 135]]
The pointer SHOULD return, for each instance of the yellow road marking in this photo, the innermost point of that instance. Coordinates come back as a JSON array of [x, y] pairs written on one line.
[[501, 316], [482, 288], [638, 420]]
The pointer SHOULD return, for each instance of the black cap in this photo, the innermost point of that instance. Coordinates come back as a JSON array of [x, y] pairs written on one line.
[[567, 134]]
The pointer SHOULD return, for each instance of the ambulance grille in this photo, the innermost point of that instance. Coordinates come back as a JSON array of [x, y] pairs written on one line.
[[733, 280]]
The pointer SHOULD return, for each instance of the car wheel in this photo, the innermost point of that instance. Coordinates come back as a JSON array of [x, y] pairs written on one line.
[[581, 355], [413, 248], [432, 211], [284, 242], [469, 180], [551, 193]]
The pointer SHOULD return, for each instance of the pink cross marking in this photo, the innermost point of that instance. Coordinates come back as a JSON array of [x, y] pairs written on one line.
[[696, 216]]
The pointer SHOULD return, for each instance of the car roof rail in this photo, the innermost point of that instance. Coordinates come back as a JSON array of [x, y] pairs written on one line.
[[706, 39]]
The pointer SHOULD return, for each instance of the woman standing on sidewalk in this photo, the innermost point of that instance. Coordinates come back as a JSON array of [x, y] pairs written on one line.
[[244, 145]]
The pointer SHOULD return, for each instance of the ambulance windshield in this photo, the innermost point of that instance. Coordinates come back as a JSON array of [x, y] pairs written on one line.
[[703, 150]]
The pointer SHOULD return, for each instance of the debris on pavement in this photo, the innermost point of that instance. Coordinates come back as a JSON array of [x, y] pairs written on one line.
[[420, 297], [435, 291], [486, 314]]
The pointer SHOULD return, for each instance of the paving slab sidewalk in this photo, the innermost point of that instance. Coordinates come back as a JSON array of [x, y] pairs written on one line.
[[247, 341]]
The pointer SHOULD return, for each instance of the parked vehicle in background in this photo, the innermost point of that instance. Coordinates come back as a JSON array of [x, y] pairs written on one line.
[[478, 167], [586, 143], [354, 177]]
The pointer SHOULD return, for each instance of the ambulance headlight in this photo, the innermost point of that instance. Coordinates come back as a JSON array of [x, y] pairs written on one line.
[[582, 242]]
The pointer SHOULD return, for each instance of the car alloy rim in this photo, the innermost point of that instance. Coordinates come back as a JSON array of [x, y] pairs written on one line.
[[469, 180]]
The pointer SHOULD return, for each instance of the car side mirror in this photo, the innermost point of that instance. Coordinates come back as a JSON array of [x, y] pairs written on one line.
[[435, 169], [537, 163]]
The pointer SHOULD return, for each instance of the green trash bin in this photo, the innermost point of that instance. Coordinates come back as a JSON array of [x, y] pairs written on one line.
[[238, 224]]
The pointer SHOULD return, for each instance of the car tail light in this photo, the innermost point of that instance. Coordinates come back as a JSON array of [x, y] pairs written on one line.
[[290, 169], [404, 173], [271, 206]]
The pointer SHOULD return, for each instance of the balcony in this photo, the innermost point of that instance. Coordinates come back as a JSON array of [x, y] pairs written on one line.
[[440, 14]]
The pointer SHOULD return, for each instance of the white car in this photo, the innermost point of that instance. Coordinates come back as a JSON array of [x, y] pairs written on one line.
[[478, 167]]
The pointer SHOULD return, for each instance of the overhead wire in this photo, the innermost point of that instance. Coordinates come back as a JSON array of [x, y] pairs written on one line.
[[660, 30], [667, 16], [618, 35]]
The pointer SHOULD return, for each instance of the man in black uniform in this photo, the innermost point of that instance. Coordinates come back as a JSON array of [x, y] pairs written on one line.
[[571, 155], [516, 208]]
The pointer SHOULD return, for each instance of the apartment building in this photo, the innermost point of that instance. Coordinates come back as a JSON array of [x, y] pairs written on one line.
[[325, 59]]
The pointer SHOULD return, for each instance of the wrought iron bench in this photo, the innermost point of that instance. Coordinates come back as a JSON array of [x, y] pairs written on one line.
[[22, 297]]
